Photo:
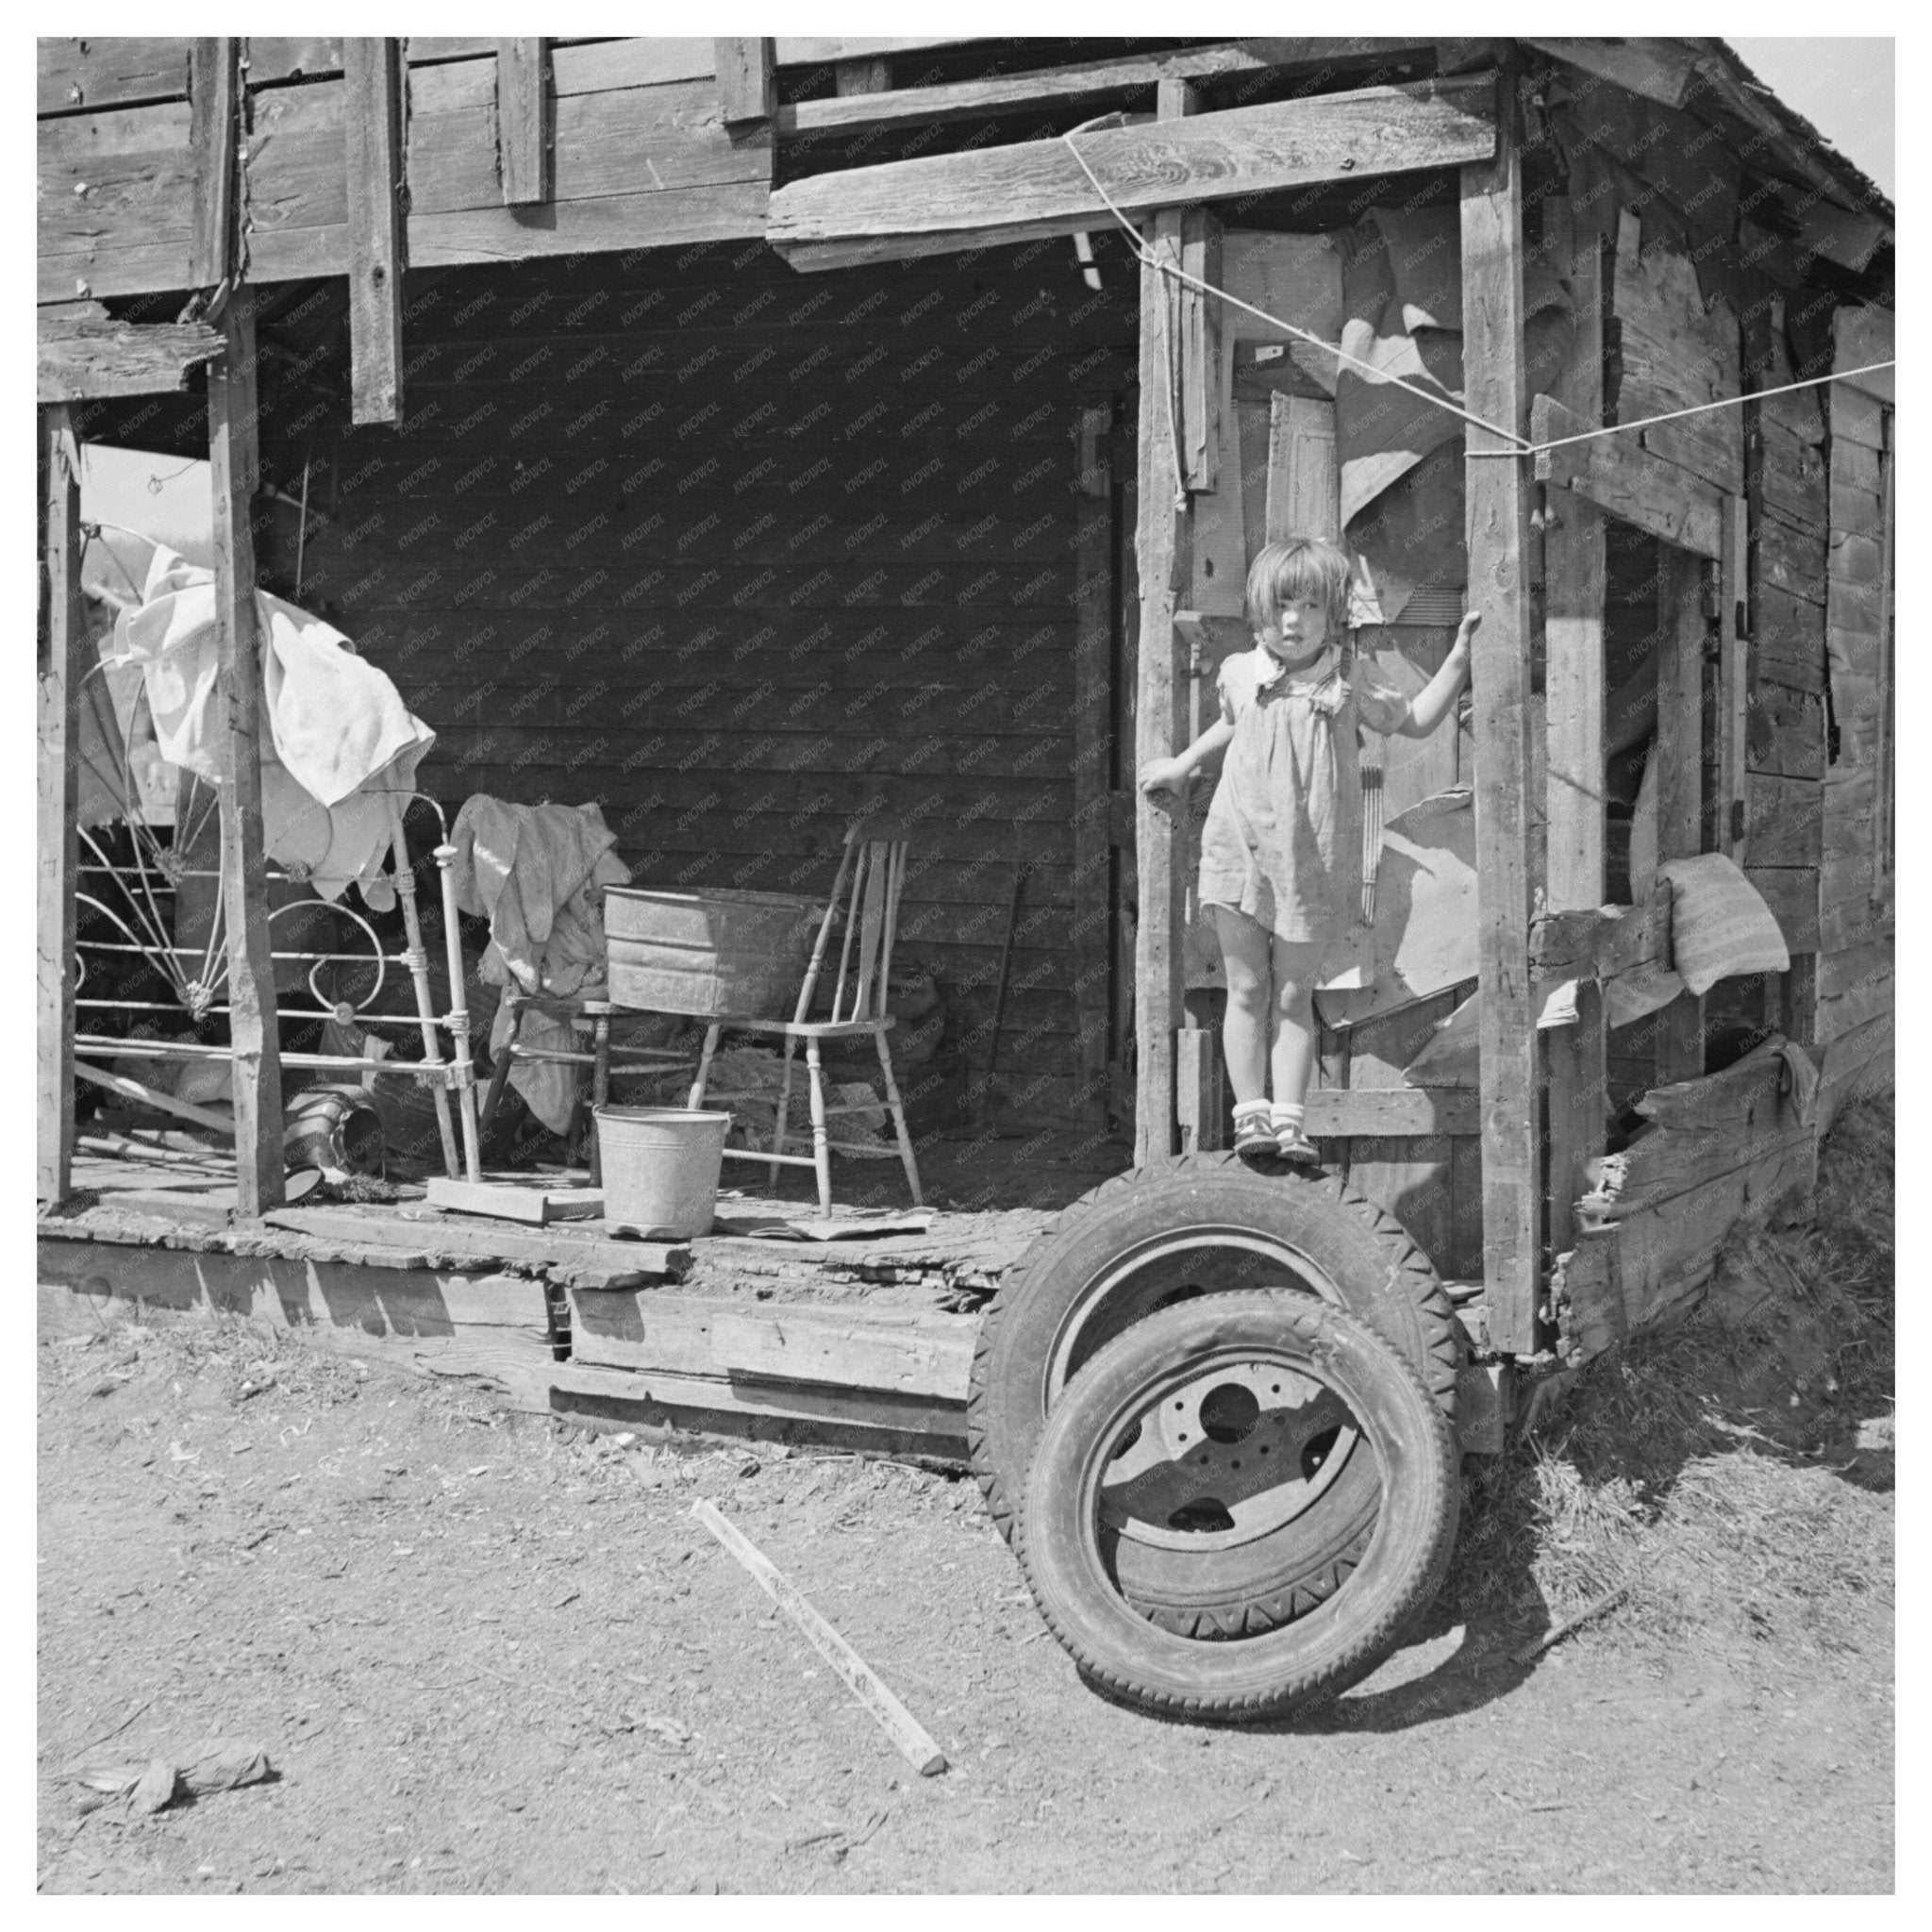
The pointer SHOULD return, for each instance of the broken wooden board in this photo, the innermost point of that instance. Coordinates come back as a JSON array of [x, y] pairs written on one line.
[[906, 1428], [903, 1353], [566, 1244], [516, 1200], [1626, 480], [940, 204], [84, 360], [495, 1326]]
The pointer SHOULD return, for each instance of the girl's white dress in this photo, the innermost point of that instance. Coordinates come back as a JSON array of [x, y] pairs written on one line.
[[1283, 839]]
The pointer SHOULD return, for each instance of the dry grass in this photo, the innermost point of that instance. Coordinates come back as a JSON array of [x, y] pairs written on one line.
[[1732, 1472]]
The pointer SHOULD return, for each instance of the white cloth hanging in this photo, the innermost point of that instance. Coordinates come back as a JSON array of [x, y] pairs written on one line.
[[339, 735]]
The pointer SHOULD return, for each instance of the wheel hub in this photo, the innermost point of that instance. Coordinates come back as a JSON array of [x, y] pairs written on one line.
[[1225, 1458]]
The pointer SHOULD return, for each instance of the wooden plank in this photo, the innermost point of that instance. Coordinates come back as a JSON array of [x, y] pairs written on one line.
[[1784, 820], [1660, 71], [1790, 558], [944, 202], [1734, 678], [1629, 482], [1391, 1114], [1198, 1103], [824, 50], [1200, 353], [373, 157], [1863, 1000], [1839, 972], [524, 94], [561, 1245], [1090, 938], [214, 101], [76, 77], [926, 1356], [252, 1024], [1676, 353], [494, 1327], [1163, 547], [1088, 80], [1791, 892], [515, 1200], [1787, 639], [63, 663], [1680, 754], [1576, 1092], [747, 83], [909, 1737], [1304, 496], [1784, 733], [1498, 544], [85, 361], [1574, 586], [1861, 335], [1659, 1256], [915, 1430]]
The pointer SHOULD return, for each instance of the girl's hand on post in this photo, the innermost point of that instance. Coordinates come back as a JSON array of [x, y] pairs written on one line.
[[1465, 631], [1163, 780]]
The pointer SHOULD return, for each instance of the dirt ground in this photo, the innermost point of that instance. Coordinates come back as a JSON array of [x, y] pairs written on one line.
[[489, 1653]]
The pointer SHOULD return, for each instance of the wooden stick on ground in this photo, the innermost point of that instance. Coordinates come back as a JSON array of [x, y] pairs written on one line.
[[898, 1722]]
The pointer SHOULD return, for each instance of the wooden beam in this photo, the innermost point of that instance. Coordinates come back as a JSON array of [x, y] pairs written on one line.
[[1681, 629], [941, 204], [524, 121], [1622, 478], [213, 131], [747, 80], [372, 159], [1093, 941], [1088, 80], [1575, 578], [1163, 547], [81, 362], [252, 1024], [1498, 542], [62, 666]]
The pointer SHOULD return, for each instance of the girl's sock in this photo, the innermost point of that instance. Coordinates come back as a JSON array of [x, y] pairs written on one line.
[[1285, 1115]]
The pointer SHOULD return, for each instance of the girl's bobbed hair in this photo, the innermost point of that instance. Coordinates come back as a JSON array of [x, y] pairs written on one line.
[[1304, 567]]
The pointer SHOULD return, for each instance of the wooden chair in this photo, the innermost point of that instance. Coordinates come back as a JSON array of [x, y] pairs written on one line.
[[871, 875], [585, 1016]]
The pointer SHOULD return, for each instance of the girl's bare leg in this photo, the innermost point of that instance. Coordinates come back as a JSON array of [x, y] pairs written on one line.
[[1294, 966], [1244, 1032]]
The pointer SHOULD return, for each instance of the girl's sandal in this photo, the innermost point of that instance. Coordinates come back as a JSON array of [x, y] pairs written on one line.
[[1292, 1145], [1254, 1129]]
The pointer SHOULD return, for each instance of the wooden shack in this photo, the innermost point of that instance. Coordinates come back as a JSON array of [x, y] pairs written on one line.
[[750, 435]]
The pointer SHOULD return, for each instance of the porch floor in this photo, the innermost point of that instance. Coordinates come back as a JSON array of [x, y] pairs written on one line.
[[750, 1330]]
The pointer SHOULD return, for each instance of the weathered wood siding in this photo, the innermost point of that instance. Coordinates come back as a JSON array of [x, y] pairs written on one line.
[[642, 159], [740, 555], [1855, 986]]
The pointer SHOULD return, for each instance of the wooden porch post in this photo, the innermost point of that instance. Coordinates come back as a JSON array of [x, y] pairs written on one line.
[[61, 667], [1498, 537], [1163, 544], [232, 454], [1573, 588]]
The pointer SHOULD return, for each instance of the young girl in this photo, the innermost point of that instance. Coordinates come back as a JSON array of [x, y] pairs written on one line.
[[1281, 853]]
